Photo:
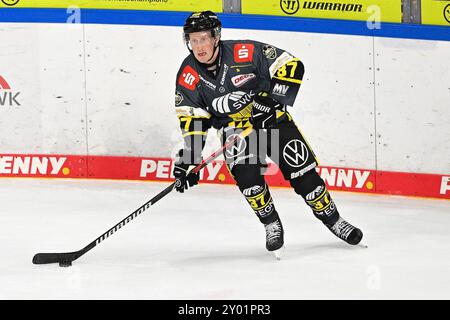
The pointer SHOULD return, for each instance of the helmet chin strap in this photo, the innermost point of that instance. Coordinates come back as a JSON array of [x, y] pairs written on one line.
[[212, 55], [208, 63]]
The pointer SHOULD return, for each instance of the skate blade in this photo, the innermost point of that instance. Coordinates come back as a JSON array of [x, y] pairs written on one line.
[[279, 253], [363, 245]]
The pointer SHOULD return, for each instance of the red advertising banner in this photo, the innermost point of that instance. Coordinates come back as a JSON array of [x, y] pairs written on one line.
[[160, 169]]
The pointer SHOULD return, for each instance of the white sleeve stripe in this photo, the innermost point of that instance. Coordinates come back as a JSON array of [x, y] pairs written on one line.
[[191, 111], [279, 62], [226, 107], [220, 104]]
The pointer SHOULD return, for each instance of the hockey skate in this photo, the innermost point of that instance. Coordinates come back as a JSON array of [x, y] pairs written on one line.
[[345, 231], [274, 237]]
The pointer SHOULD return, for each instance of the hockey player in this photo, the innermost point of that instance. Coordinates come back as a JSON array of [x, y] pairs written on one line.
[[231, 85]]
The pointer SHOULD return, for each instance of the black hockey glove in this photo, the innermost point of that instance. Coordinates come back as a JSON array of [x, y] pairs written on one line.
[[264, 111], [183, 179]]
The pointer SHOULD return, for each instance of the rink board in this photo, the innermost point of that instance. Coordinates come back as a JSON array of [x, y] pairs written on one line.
[[102, 95], [160, 169]]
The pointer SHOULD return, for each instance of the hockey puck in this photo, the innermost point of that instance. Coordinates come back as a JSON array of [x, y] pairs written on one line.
[[65, 264]]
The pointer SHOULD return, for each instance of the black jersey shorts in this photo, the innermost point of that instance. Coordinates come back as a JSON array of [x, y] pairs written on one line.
[[284, 145]]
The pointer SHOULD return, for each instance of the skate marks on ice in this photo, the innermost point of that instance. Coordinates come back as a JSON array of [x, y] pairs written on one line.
[[294, 252]]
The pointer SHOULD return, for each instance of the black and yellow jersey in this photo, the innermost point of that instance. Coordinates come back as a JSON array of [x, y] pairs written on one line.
[[224, 98]]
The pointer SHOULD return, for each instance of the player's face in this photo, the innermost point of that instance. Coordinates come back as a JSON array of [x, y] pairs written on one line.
[[202, 44]]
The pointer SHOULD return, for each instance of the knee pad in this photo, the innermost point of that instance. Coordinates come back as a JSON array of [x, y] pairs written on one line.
[[313, 190], [306, 183]]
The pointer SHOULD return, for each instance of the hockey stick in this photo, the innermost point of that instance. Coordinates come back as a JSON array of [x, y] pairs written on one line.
[[66, 258]]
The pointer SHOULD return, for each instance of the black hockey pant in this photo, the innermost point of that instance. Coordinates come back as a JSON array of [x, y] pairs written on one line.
[[286, 146]]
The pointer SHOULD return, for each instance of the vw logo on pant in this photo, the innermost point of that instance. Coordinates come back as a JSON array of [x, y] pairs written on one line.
[[295, 153], [237, 149]]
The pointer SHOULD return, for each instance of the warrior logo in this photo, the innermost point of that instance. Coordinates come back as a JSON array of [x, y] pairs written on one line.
[[290, 6], [295, 153], [10, 2], [447, 13]]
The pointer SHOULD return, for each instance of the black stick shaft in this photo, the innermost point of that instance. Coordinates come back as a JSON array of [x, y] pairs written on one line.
[[43, 258]]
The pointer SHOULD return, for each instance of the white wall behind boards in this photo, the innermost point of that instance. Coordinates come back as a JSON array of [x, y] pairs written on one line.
[[131, 74], [44, 64], [413, 105], [109, 90]]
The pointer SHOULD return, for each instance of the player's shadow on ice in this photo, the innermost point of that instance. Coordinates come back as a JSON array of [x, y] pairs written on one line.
[[305, 250], [291, 252]]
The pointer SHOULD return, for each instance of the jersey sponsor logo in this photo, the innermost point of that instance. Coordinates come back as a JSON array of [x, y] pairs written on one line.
[[209, 84], [244, 100], [280, 89], [243, 52], [225, 71], [238, 99], [33, 165], [242, 79], [269, 52], [178, 98], [189, 78], [295, 153]]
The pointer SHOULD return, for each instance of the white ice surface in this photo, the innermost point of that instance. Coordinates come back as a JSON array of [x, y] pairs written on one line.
[[207, 244]]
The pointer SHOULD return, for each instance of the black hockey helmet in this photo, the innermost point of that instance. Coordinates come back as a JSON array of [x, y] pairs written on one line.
[[202, 21]]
